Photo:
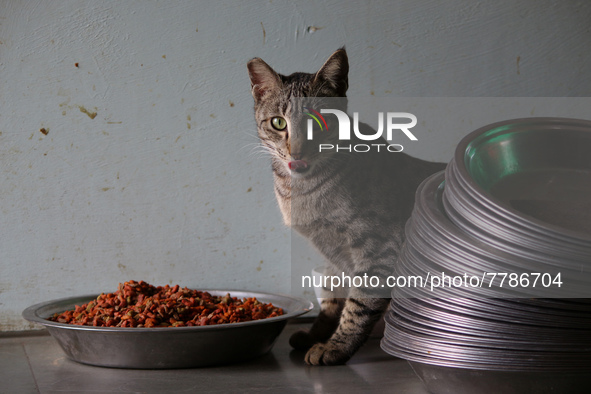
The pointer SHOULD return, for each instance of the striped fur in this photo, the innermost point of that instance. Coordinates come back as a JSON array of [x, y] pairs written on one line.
[[351, 206]]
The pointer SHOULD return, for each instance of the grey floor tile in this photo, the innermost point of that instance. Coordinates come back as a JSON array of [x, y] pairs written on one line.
[[15, 372], [280, 371]]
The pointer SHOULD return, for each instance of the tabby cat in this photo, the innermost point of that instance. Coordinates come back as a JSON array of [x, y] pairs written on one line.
[[351, 206]]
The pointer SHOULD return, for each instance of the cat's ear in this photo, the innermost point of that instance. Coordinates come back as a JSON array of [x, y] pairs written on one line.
[[335, 71], [262, 78]]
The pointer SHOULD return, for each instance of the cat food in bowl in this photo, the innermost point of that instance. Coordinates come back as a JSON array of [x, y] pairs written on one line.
[[223, 335], [139, 304]]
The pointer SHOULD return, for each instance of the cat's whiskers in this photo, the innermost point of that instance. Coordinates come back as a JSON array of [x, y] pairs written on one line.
[[260, 152], [252, 136]]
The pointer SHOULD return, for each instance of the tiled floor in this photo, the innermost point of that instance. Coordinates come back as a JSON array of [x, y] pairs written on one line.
[[36, 364]]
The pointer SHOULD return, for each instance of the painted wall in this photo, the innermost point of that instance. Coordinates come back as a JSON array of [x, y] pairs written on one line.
[[127, 141]]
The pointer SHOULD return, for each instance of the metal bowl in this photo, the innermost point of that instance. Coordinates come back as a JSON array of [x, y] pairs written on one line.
[[527, 182], [490, 222], [167, 347], [448, 380]]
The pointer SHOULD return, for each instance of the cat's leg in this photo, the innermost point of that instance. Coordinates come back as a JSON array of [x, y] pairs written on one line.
[[327, 321], [357, 320], [323, 327], [373, 256]]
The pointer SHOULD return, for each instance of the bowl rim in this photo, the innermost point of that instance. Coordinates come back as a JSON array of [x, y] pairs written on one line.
[[302, 306], [463, 147]]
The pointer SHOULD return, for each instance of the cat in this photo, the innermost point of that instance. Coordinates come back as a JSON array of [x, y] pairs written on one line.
[[352, 206]]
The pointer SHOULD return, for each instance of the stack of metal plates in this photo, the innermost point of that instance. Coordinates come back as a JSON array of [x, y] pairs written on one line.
[[499, 249]]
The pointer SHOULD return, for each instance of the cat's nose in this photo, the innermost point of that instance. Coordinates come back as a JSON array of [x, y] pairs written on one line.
[[296, 156]]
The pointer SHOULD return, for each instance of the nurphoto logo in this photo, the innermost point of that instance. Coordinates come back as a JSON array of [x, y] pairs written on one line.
[[344, 122]]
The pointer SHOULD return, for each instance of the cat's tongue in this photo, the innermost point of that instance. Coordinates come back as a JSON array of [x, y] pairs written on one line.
[[298, 165]]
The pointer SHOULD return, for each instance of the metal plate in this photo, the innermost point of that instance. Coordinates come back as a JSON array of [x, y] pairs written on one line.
[[516, 234], [482, 329], [167, 347], [446, 380], [413, 346], [435, 244], [527, 182]]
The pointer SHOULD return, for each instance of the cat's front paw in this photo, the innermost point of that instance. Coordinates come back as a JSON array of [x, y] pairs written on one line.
[[302, 340], [327, 354]]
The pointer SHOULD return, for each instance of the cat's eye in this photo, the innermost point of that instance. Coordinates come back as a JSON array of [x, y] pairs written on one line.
[[278, 123]]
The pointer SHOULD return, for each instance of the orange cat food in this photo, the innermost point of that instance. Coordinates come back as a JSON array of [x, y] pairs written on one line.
[[139, 304]]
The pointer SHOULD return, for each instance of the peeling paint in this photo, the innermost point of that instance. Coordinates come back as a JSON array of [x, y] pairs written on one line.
[[264, 33], [90, 114]]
